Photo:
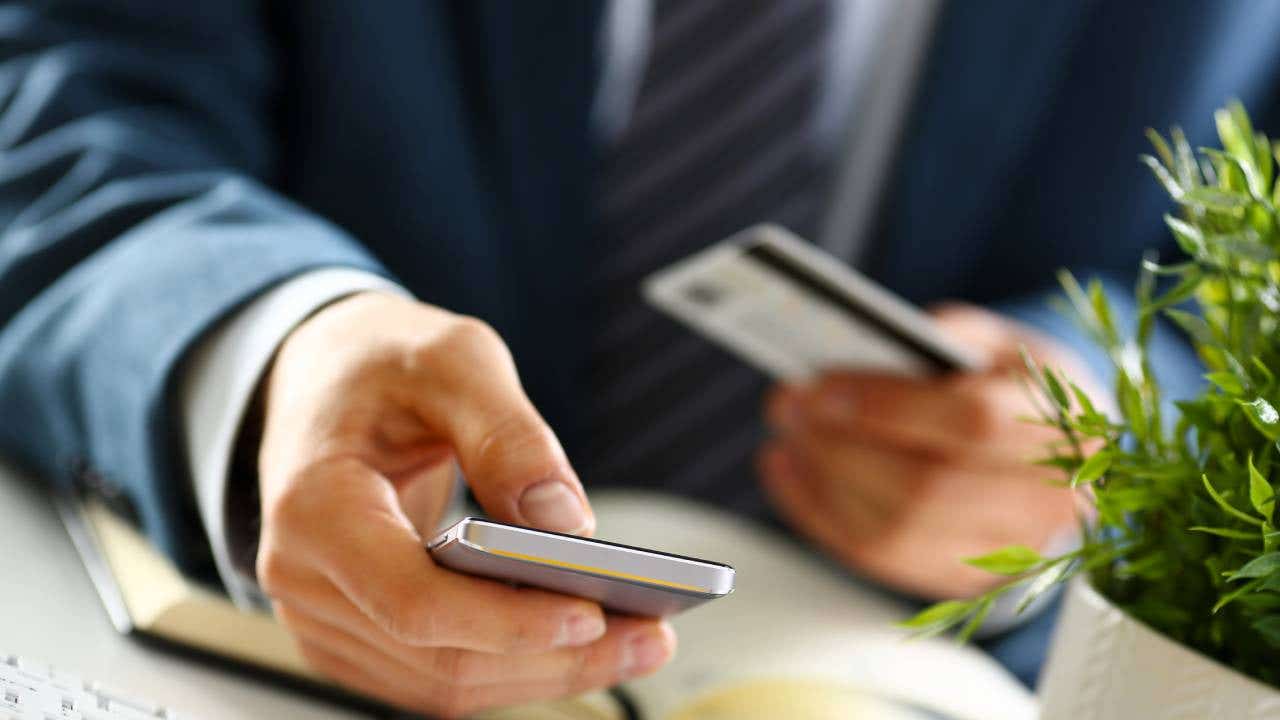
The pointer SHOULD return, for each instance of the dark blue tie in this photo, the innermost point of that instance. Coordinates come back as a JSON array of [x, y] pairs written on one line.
[[721, 138]]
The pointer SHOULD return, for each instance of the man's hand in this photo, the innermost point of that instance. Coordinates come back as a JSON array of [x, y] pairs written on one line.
[[901, 478], [368, 406]]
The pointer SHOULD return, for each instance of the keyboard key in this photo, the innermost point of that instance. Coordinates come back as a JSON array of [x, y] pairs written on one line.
[[34, 667], [66, 679], [10, 698], [122, 711], [30, 690], [120, 700]]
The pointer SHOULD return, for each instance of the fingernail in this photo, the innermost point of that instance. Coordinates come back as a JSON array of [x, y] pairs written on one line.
[[643, 654], [580, 630], [551, 505], [833, 409]]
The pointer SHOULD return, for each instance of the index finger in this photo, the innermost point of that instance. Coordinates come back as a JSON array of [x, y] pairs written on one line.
[[469, 390], [371, 552], [970, 413]]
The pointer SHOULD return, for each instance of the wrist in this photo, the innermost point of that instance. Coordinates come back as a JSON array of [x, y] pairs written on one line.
[[323, 314], [220, 388]]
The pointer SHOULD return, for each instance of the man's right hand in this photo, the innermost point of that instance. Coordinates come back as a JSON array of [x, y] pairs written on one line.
[[368, 405]]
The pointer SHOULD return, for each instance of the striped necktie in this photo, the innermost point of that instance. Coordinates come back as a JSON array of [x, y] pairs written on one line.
[[721, 138]]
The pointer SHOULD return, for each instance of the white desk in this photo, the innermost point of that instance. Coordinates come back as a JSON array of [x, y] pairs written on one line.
[[50, 611], [824, 626]]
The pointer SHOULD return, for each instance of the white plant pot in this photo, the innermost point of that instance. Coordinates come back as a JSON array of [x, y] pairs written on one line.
[[1104, 665]]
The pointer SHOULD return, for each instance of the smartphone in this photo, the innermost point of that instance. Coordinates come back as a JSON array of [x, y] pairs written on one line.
[[621, 578]]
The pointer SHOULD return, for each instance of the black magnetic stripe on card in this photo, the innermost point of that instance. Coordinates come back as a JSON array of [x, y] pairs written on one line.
[[844, 301]]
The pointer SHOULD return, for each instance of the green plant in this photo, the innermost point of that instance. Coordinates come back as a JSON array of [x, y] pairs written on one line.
[[1184, 536]]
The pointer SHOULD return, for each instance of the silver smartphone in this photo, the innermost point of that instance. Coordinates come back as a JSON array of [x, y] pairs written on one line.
[[621, 578]]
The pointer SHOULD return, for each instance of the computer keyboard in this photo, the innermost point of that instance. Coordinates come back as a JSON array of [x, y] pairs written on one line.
[[34, 691]]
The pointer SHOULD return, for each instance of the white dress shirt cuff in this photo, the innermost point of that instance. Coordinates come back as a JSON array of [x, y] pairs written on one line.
[[219, 381]]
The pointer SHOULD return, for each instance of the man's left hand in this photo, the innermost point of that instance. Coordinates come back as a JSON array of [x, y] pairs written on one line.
[[900, 478]]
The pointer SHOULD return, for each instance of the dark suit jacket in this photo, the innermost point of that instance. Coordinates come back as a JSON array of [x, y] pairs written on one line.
[[161, 163]]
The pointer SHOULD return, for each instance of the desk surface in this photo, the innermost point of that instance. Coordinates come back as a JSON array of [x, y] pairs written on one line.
[[827, 627], [49, 611]]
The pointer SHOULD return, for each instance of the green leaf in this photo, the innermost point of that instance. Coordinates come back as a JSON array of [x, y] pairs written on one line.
[[1131, 407], [1055, 574], [938, 612], [1275, 153], [1160, 613], [1215, 199], [1262, 155], [939, 617], [1269, 628], [976, 620], [1178, 294], [1262, 369], [1261, 494], [1102, 309], [1184, 159], [1226, 533], [1061, 462], [1226, 506], [1261, 566], [1082, 398], [1188, 236], [1150, 567], [1241, 117], [1162, 147], [1127, 499], [1245, 167], [1252, 605], [1056, 391], [1228, 382], [1244, 246], [1264, 417], [1231, 596], [1193, 325], [1092, 468], [1236, 133], [1012, 560], [1165, 177], [1156, 268]]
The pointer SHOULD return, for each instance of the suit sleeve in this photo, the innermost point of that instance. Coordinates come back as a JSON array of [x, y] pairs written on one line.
[[134, 216], [216, 388]]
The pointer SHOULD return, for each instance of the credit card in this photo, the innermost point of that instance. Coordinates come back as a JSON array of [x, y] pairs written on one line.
[[793, 310]]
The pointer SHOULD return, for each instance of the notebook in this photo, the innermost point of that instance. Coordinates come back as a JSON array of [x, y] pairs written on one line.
[[797, 637]]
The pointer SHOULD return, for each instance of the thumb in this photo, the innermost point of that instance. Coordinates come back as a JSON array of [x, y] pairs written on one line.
[[519, 473], [509, 456], [984, 331]]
